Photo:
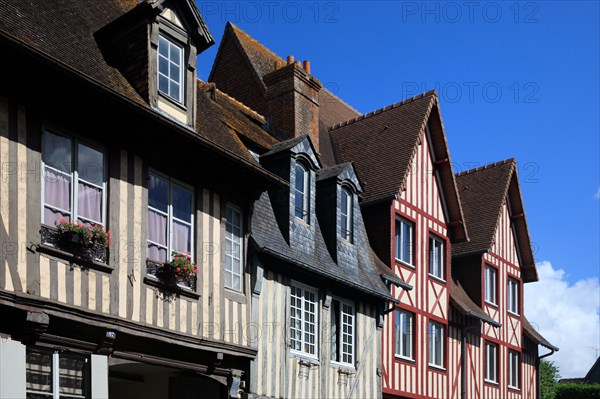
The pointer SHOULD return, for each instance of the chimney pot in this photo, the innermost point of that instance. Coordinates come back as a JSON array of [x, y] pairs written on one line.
[[290, 59], [307, 66], [298, 64], [276, 65]]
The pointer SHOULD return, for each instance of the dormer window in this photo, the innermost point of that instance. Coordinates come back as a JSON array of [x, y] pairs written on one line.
[[170, 69], [302, 192], [346, 214]]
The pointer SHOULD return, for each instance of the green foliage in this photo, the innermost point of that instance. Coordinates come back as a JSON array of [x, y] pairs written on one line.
[[548, 377], [90, 235], [573, 390]]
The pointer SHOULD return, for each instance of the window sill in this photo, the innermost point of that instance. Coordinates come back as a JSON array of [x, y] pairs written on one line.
[[155, 282], [234, 295], [171, 100], [494, 305], [436, 368], [515, 389], [343, 368], [305, 359], [403, 263], [513, 314], [438, 279], [405, 359], [491, 383], [80, 260]]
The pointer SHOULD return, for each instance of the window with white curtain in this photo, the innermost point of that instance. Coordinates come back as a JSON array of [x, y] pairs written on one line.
[[74, 181], [436, 257], [513, 296], [404, 334], [490, 284], [404, 241], [234, 248], [170, 218]]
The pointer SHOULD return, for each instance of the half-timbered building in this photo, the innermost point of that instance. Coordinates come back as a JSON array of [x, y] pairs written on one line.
[[104, 124], [500, 359]]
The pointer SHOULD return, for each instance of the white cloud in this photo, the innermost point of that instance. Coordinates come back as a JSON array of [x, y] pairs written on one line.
[[567, 315]]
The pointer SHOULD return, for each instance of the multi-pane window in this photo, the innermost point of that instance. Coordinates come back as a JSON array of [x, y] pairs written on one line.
[[490, 283], [514, 367], [404, 241], [234, 246], [436, 344], [303, 320], [513, 296], [56, 374], [74, 181], [346, 214], [342, 332], [404, 334], [170, 68], [170, 218], [302, 192], [491, 362], [436, 257]]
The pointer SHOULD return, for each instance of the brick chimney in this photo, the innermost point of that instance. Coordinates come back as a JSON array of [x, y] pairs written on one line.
[[293, 101]]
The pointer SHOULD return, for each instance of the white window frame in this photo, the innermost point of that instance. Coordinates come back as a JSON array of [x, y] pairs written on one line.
[[437, 268], [512, 293], [514, 368], [240, 256], [340, 353], [400, 325], [436, 329], [491, 362], [399, 240], [74, 176], [305, 193], [170, 218], [303, 321], [54, 372], [181, 82], [346, 232], [490, 285]]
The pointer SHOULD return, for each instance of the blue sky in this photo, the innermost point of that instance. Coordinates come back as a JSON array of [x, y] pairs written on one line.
[[515, 79]]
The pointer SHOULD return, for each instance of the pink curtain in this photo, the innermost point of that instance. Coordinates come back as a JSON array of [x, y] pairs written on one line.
[[181, 237], [157, 232], [89, 202], [57, 192]]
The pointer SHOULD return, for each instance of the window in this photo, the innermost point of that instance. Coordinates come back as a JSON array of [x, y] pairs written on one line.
[[436, 344], [346, 214], [56, 374], [404, 334], [490, 282], [513, 296], [170, 218], [404, 241], [74, 182], [513, 369], [170, 69], [436, 257], [303, 320], [491, 362], [302, 192], [342, 332], [234, 245]]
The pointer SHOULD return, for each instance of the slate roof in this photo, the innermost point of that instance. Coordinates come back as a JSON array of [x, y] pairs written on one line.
[[461, 300], [63, 32], [366, 277], [483, 191], [262, 60], [536, 336]]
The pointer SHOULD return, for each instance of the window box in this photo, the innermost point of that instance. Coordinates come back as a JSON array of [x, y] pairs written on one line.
[[71, 243]]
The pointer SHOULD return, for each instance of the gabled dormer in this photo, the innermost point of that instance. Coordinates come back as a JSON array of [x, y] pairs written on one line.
[[338, 191], [154, 46], [295, 161]]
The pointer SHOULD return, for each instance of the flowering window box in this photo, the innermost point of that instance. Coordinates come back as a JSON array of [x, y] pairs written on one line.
[[86, 242], [178, 274]]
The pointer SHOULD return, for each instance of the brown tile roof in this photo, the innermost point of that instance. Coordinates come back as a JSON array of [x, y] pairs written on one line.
[[536, 336], [465, 305], [483, 191], [262, 60], [382, 144]]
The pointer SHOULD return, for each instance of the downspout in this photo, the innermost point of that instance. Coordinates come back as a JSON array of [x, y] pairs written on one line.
[[538, 378], [463, 357]]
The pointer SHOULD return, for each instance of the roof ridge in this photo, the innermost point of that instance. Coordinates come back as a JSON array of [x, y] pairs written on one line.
[[340, 100], [213, 86], [236, 28], [486, 167], [381, 110]]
